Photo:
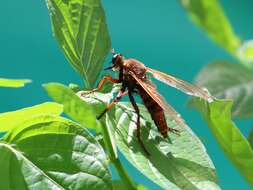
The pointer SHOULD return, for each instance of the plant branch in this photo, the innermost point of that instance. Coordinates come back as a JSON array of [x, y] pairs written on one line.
[[126, 179]]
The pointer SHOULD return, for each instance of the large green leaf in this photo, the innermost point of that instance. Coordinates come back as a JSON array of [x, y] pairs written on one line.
[[179, 162], [230, 81], [15, 83], [80, 28], [8, 120], [209, 15], [18, 172], [234, 144], [55, 149]]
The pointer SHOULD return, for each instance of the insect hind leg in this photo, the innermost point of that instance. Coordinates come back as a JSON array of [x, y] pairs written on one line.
[[137, 111]]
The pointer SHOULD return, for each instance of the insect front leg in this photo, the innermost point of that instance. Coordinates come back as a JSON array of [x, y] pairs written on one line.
[[138, 123], [101, 84], [121, 93]]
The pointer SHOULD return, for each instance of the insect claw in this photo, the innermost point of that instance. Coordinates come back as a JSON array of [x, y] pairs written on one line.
[[85, 93], [175, 131]]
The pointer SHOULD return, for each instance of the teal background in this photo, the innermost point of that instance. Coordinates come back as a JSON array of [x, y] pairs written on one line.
[[157, 32]]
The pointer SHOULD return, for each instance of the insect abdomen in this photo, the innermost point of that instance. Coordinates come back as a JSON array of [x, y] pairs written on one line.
[[156, 112]]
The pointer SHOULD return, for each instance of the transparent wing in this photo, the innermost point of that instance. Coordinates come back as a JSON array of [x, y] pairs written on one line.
[[151, 90], [181, 85]]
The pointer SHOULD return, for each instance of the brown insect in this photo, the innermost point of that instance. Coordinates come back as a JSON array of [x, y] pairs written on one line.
[[134, 79]]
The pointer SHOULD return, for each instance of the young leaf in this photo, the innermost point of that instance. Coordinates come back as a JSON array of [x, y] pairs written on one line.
[[80, 28], [230, 81], [9, 120], [59, 149], [84, 112], [14, 83], [236, 147], [210, 16], [179, 162]]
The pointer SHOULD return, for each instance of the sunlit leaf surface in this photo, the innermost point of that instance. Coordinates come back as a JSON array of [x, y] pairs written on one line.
[[73, 106], [80, 28], [51, 152], [9, 120], [14, 83], [179, 162]]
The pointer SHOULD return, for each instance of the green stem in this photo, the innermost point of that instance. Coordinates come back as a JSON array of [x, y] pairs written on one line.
[[124, 175], [126, 179]]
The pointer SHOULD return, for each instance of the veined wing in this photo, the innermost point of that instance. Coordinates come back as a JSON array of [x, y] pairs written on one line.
[[181, 85], [151, 90]]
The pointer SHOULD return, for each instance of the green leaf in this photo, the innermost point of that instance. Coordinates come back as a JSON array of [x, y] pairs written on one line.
[[9, 120], [14, 83], [119, 185], [179, 162], [84, 111], [210, 16], [245, 53], [60, 150], [80, 29], [229, 81], [233, 143], [98, 103], [250, 139], [18, 172]]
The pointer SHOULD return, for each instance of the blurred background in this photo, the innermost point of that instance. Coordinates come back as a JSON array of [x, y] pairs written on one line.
[[158, 33]]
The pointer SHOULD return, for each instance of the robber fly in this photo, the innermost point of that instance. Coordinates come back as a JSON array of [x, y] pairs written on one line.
[[134, 79]]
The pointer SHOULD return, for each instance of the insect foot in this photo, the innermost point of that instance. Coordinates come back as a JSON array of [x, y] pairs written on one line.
[[86, 93], [175, 131]]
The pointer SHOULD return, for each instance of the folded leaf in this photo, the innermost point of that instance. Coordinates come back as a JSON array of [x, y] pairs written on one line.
[[54, 149], [15, 83], [179, 162], [235, 146], [80, 28], [225, 80], [9, 120]]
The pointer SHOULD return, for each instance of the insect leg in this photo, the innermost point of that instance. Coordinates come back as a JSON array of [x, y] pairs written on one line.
[[121, 93], [101, 83], [137, 111]]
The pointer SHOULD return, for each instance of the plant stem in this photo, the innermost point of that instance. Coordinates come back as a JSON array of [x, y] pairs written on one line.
[[126, 179], [124, 175]]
